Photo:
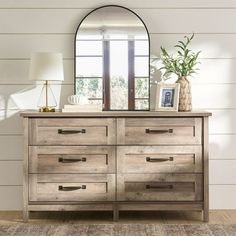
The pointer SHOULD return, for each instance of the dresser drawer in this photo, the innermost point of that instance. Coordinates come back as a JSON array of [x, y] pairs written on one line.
[[71, 187], [72, 131], [159, 131], [153, 159], [74, 159], [160, 187]]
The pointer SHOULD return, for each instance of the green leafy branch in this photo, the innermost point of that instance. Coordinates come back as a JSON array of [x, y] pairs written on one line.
[[182, 64]]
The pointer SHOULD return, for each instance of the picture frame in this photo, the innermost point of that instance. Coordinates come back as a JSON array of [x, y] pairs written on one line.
[[167, 97]]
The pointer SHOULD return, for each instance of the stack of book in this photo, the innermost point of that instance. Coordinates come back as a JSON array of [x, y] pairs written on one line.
[[82, 108]]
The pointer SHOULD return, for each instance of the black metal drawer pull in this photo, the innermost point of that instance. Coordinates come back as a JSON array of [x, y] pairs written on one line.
[[149, 159], [169, 186], [158, 131], [68, 160], [71, 188], [61, 131]]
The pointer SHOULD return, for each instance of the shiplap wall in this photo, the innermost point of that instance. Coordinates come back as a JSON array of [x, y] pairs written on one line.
[[48, 25]]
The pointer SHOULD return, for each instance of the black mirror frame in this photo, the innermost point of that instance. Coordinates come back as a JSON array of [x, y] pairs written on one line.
[[149, 90]]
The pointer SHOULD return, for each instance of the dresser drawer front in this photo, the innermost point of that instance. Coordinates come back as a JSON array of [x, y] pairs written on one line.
[[72, 131], [64, 159], [159, 159], [71, 187], [159, 131], [160, 187]]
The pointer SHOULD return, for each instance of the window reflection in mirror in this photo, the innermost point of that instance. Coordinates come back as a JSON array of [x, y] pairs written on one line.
[[112, 59]]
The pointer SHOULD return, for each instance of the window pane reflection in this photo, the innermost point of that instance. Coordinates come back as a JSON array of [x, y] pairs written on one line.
[[141, 65], [141, 87], [118, 75], [89, 67], [88, 48], [141, 104], [90, 88], [141, 48]]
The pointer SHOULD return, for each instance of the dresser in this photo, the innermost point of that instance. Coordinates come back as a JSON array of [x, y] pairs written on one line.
[[115, 161]]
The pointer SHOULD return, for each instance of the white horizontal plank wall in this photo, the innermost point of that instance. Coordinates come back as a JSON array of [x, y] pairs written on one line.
[[27, 26]]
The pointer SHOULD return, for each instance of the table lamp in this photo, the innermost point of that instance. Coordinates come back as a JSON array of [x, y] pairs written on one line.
[[46, 66]]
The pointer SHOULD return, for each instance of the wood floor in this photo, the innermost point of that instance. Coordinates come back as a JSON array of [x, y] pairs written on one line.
[[216, 217]]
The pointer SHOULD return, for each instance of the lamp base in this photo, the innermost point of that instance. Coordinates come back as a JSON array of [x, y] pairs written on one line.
[[46, 109]]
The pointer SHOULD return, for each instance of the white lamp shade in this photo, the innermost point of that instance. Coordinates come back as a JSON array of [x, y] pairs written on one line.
[[46, 66]]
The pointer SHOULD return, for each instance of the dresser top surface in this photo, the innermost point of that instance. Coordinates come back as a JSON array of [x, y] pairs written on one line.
[[115, 114]]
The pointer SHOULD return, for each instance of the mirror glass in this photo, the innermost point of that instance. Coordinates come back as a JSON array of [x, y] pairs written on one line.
[[112, 59]]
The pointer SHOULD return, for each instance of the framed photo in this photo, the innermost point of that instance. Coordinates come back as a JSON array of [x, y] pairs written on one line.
[[167, 98]]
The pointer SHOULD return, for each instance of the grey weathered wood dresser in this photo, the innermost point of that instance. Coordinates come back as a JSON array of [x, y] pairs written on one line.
[[116, 161]]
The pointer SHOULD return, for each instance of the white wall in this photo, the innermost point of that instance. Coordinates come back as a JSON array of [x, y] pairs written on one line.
[[49, 25]]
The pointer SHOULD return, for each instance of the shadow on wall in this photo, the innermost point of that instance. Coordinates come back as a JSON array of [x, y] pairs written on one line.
[[10, 107], [12, 97], [13, 100], [10, 122]]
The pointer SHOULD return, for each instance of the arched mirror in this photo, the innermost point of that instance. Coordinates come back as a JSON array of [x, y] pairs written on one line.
[[112, 59]]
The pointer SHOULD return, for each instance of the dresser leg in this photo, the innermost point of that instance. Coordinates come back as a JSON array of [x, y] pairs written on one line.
[[115, 214], [25, 216], [206, 216]]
